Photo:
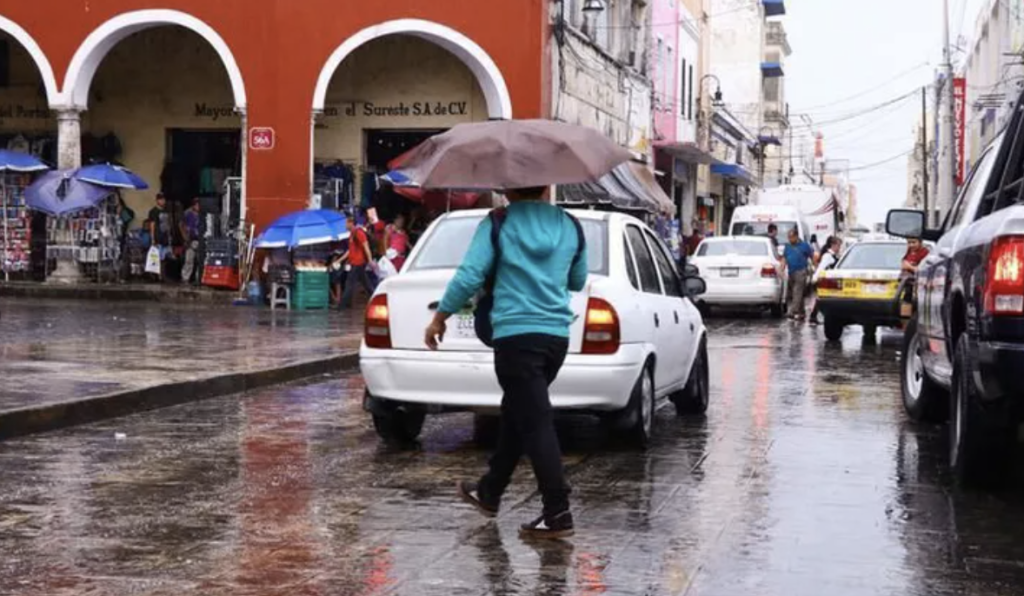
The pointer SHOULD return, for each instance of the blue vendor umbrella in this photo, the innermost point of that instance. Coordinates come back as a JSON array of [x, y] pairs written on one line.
[[59, 193], [111, 176], [304, 228], [14, 161]]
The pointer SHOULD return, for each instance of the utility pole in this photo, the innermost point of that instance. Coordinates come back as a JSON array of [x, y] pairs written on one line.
[[924, 149], [945, 200]]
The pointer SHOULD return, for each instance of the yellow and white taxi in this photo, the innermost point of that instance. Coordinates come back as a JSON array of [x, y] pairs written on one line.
[[863, 288]]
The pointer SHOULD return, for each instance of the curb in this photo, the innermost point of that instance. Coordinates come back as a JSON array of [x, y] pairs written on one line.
[[47, 417], [116, 293]]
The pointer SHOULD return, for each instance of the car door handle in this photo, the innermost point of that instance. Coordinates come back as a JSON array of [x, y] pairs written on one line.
[[676, 313], [657, 321]]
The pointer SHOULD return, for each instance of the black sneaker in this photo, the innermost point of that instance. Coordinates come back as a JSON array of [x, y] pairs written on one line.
[[470, 493], [558, 526]]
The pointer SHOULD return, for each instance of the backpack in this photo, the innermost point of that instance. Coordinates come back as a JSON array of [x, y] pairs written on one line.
[[485, 304]]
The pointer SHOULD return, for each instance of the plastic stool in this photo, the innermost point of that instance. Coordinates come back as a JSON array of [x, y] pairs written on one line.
[[276, 298]]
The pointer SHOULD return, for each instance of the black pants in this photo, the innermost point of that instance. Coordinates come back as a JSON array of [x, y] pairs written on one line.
[[526, 365], [358, 275]]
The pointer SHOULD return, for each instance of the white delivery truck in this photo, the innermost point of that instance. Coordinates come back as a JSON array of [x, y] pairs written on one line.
[[818, 207], [753, 220]]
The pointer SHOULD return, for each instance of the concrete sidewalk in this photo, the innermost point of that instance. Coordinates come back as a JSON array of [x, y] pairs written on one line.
[[65, 362]]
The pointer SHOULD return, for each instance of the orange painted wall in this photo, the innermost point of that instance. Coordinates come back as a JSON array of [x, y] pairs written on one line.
[[281, 47]]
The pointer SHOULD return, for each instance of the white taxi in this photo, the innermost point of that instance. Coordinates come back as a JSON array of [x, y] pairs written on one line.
[[637, 336]]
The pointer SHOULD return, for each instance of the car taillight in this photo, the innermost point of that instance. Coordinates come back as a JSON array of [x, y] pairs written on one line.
[[378, 327], [1004, 284], [601, 328], [769, 270], [830, 284]]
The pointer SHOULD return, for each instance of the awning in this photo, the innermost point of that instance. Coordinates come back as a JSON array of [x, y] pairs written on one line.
[[769, 140], [688, 152], [774, 8], [629, 187], [734, 172], [772, 70]]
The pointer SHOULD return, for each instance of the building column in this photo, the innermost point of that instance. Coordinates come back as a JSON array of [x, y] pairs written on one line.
[[69, 139]]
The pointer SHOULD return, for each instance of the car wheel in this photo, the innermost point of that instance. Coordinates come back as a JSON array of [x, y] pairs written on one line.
[[640, 411], [693, 399], [923, 399], [834, 328], [776, 311], [399, 426], [870, 333], [981, 439], [486, 429]]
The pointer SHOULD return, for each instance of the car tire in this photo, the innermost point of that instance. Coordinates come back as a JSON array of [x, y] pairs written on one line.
[[694, 398], [486, 429], [870, 333], [640, 411], [834, 328], [981, 439], [399, 426], [776, 311], [923, 399]]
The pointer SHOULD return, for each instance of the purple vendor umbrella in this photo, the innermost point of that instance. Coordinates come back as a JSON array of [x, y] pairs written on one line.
[[59, 193]]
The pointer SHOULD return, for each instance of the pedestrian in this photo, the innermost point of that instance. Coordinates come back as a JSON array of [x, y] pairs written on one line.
[[159, 219], [538, 263], [828, 261], [336, 270], [397, 238], [773, 235], [190, 235], [359, 258], [916, 252], [797, 256], [815, 246]]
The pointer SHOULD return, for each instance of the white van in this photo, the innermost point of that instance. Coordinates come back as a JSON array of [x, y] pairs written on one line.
[[753, 220]]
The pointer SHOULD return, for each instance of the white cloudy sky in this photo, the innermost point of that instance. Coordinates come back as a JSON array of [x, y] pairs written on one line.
[[851, 56]]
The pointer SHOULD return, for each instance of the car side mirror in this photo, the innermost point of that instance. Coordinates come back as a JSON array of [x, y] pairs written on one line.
[[689, 271], [909, 223], [695, 286]]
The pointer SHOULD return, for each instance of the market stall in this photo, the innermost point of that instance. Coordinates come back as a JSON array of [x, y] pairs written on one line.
[[16, 171]]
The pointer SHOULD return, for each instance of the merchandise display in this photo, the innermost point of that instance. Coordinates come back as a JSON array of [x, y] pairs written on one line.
[[16, 239], [90, 238]]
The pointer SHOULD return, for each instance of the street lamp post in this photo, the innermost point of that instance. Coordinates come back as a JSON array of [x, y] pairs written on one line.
[[704, 120]]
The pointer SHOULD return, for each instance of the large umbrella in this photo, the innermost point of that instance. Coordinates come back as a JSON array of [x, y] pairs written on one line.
[[508, 154], [303, 228], [13, 161], [111, 176], [59, 193], [439, 200]]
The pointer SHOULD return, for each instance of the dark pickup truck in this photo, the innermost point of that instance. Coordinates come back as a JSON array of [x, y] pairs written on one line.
[[963, 353]]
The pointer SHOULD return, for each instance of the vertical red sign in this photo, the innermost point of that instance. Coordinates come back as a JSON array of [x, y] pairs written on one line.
[[960, 113]]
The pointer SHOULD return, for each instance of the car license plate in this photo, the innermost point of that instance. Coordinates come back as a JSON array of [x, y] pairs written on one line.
[[730, 272], [875, 289], [465, 327]]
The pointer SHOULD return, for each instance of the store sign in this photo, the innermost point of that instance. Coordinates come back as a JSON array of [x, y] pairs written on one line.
[[960, 111], [214, 112], [261, 138], [24, 112], [401, 109]]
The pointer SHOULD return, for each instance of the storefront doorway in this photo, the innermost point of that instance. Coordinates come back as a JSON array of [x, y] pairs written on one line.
[[199, 165]]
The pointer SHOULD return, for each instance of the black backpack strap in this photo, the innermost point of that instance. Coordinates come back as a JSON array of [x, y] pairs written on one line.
[[497, 217]]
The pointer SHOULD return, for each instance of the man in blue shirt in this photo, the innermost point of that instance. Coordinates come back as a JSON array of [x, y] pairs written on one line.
[[798, 256], [538, 264]]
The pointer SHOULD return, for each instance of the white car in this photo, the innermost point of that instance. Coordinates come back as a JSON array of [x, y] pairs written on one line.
[[740, 271], [637, 337]]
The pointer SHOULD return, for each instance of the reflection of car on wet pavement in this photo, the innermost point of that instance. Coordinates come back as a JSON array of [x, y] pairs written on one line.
[[863, 288], [637, 337], [967, 334], [740, 271]]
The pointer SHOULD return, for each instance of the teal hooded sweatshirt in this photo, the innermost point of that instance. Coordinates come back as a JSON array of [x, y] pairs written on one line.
[[535, 273]]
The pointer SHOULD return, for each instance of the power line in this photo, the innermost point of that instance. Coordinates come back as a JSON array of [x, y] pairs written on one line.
[[868, 91], [882, 162]]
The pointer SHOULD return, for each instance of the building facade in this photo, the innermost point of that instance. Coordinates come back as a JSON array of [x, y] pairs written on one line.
[[197, 96]]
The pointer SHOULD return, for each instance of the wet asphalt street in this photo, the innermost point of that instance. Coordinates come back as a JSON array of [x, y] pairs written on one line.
[[805, 478]]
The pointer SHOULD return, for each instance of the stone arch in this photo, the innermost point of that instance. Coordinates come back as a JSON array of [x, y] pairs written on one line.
[[11, 28], [489, 77], [98, 44]]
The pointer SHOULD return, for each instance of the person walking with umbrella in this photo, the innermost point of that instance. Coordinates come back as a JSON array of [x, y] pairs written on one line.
[[529, 270]]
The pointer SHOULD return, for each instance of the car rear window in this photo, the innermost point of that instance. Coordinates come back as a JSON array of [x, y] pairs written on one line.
[[445, 247], [760, 228], [742, 248], [886, 257]]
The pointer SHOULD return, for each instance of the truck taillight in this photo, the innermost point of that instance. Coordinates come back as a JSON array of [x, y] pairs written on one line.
[[378, 326], [769, 270], [1004, 284], [601, 328]]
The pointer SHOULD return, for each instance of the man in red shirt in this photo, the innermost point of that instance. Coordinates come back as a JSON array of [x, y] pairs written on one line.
[[359, 258], [916, 252]]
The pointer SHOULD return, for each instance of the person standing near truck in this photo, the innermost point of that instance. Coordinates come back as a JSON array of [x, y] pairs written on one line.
[[797, 257]]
